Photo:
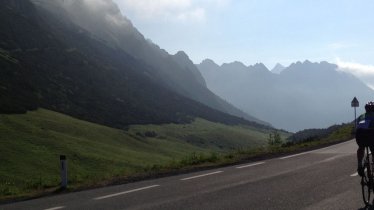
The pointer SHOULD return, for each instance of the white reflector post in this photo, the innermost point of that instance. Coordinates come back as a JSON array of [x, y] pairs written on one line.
[[64, 171]]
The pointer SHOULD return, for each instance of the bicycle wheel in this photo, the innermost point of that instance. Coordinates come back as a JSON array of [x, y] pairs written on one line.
[[366, 181]]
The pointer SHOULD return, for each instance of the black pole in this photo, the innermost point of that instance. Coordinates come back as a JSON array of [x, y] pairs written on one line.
[[355, 119]]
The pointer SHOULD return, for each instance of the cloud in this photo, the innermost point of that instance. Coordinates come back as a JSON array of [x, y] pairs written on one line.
[[220, 4], [355, 68], [364, 72], [93, 13], [197, 14], [172, 10]]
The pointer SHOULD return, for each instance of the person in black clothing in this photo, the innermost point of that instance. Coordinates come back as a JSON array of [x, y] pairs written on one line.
[[365, 134]]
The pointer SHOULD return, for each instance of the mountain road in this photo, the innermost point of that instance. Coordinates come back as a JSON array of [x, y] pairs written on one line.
[[320, 179]]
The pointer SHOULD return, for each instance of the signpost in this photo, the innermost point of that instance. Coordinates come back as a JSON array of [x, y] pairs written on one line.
[[355, 104]]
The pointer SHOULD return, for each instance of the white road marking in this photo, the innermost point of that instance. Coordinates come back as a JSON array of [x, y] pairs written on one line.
[[250, 165], [331, 158], [194, 177], [125, 192], [295, 155], [55, 208], [316, 150], [355, 174]]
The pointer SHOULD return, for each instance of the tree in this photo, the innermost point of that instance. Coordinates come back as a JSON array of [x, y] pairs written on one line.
[[274, 139]]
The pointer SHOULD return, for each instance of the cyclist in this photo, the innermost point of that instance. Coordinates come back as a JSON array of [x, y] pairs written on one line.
[[365, 134]]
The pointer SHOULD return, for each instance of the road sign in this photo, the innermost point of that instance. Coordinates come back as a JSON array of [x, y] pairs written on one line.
[[354, 102]]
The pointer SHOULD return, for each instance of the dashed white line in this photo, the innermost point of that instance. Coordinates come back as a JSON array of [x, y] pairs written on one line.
[[125, 192], [330, 159], [194, 177], [295, 155], [56, 208], [355, 174], [250, 165]]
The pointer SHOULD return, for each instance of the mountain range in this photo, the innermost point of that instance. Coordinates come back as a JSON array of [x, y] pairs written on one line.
[[175, 72], [91, 63], [302, 95]]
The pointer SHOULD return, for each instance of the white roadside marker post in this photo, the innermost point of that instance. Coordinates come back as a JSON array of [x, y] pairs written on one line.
[[64, 171]]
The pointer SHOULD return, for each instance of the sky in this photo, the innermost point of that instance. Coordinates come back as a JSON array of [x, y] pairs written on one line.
[[266, 31]]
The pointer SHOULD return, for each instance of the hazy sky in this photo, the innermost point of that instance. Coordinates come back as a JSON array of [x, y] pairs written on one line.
[[267, 31]]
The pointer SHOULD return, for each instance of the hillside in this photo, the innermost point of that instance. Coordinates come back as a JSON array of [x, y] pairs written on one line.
[[303, 95], [52, 63], [31, 144], [109, 26]]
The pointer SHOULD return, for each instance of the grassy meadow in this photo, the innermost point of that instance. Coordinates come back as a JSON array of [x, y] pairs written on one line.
[[30, 145]]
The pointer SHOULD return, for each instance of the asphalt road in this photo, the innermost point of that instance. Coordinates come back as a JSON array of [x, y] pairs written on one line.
[[319, 179]]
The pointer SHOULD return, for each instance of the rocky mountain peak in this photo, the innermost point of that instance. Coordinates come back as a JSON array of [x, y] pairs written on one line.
[[278, 68]]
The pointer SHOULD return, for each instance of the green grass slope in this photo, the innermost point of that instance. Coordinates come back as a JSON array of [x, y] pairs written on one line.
[[30, 145], [319, 137]]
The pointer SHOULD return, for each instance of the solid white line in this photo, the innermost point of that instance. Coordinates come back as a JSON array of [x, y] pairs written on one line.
[[250, 165], [55, 208], [325, 148], [125, 192], [194, 177]]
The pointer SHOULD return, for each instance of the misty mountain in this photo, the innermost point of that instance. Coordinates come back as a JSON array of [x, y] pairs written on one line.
[[304, 95], [51, 62], [182, 59], [103, 21], [278, 68]]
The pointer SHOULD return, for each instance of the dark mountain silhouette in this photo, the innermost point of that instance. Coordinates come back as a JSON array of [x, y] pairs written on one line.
[[48, 61], [304, 95], [107, 24]]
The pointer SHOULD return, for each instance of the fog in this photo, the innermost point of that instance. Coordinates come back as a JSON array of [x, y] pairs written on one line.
[[97, 11], [100, 17]]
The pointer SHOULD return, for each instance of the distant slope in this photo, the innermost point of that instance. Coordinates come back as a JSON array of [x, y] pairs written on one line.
[[30, 151], [343, 131], [108, 25], [210, 99], [304, 95], [48, 62]]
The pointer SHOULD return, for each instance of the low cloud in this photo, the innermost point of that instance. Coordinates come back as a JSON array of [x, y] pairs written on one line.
[[94, 15], [172, 10], [197, 14], [362, 71], [355, 68]]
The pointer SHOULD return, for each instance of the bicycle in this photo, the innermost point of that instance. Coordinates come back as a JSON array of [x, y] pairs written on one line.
[[367, 179]]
